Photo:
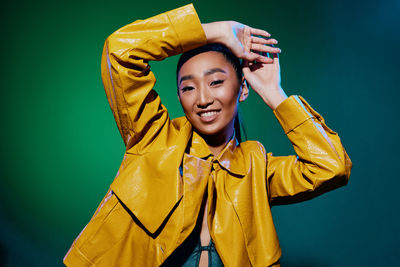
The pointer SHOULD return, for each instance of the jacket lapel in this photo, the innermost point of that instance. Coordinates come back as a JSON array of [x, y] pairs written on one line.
[[149, 184]]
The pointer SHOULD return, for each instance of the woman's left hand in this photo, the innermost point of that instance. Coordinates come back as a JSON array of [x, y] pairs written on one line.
[[265, 79]]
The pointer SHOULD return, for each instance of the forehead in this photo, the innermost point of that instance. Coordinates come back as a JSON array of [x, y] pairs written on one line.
[[200, 63]]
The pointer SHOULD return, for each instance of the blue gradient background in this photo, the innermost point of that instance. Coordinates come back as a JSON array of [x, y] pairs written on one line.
[[61, 147]]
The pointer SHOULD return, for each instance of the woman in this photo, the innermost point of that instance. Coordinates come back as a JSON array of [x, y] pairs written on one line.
[[187, 192]]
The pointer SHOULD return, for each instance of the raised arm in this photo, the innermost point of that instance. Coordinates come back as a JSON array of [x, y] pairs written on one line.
[[320, 164], [127, 78]]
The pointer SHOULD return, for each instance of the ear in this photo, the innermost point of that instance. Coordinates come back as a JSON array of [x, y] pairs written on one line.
[[244, 91]]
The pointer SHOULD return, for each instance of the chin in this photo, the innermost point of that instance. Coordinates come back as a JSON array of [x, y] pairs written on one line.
[[210, 131], [206, 131]]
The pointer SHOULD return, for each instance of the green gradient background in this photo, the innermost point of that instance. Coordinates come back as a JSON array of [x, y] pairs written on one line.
[[61, 147]]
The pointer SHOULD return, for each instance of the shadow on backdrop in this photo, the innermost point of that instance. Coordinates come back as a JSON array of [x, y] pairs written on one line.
[[3, 255]]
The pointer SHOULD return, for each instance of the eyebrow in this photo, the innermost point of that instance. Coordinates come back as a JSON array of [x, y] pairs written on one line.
[[208, 72], [214, 70], [186, 77]]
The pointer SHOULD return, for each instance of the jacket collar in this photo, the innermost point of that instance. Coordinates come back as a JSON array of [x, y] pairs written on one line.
[[231, 157], [152, 179]]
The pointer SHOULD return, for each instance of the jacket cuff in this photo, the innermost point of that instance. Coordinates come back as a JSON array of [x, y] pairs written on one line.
[[292, 112], [187, 27]]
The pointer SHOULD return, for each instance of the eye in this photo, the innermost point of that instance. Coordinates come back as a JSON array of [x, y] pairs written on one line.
[[187, 88], [216, 82]]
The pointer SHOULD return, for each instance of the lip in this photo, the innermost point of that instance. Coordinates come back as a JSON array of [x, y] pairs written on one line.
[[211, 116]]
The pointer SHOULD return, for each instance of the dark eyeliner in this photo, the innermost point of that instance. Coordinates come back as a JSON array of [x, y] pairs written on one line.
[[186, 88], [217, 82]]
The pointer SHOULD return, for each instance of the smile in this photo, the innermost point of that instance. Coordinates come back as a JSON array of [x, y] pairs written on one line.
[[209, 113], [208, 116]]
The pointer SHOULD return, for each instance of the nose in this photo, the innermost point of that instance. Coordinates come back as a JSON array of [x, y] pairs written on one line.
[[204, 98]]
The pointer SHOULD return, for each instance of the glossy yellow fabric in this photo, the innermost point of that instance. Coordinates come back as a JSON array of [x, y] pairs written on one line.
[[151, 208]]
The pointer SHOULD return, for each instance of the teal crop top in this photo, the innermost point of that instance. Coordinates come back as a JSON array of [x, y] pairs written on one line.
[[188, 253]]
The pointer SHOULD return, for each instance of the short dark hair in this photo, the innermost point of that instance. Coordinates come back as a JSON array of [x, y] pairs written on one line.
[[229, 56]]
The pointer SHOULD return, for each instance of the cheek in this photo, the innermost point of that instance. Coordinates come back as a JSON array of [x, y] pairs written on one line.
[[186, 103], [229, 97]]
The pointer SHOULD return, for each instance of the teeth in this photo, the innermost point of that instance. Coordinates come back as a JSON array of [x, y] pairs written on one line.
[[208, 113]]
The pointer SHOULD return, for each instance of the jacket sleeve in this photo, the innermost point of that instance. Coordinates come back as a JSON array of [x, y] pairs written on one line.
[[321, 163], [125, 70]]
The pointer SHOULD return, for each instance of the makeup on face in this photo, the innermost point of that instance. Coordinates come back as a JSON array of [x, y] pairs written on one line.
[[209, 90]]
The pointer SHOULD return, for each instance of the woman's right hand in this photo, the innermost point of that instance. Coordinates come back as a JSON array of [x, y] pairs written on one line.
[[244, 41]]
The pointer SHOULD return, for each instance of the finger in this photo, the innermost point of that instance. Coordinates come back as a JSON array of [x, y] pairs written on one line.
[[261, 58], [259, 40], [245, 67], [275, 58], [258, 56], [250, 56], [265, 59], [259, 32], [265, 48]]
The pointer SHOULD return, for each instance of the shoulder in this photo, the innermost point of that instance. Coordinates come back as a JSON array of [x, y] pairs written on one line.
[[252, 147], [180, 123], [252, 152], [171, 136]]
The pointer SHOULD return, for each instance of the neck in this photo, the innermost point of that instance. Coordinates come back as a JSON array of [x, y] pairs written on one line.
[[216, 143]]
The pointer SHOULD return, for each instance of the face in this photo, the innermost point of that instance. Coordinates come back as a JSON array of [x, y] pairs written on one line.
[[209, 91]]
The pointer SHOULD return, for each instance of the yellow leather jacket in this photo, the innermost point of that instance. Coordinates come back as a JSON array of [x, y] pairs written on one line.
[[152, 204]]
